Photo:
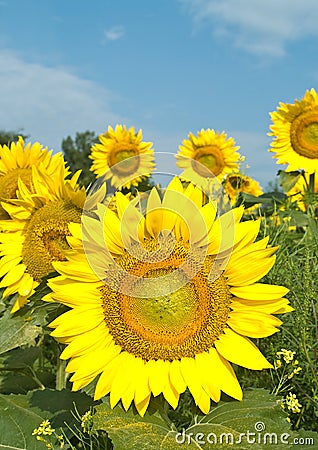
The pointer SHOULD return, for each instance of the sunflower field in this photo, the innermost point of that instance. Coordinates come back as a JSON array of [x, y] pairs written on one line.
[[169, 304]]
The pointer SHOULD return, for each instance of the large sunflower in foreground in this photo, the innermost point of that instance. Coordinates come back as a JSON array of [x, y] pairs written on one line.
[[295, 131], [209, 154], [17, 161], [36, 233], [159, 303], [235, 183], [122, 156]]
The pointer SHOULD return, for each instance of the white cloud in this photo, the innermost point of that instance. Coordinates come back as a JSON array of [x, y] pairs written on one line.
[[50, 103], [114, 33], [262, 27]]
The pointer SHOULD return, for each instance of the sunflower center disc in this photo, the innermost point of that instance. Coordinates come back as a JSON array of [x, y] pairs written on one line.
[[211, 158], [179, 324], [45, 238], [9, 185], [236, 182], [124, 161], [304, 134]]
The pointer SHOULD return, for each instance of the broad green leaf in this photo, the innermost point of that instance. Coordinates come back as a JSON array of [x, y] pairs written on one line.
[[129, 431], [17, 422], [248, 424], [287, 180], [306, 440], [253, 423], [21, 414], [18, 374], [15, 331]]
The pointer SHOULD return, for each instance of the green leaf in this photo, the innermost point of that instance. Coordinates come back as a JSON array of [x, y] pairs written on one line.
[[306, 440], [250, 424], [130, 431], [17, 422], [287, 180], [21, 414], [17, 372], [15, 332]]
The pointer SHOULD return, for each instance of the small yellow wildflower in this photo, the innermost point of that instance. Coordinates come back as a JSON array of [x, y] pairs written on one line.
[[86, 421], [287, 355], [44, 428], [277, 364], [292, 403]]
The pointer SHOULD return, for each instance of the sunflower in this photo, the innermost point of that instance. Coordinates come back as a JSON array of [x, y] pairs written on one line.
[[299, 192], [16, 163], [36, 234], [122, 156], [209, 154], [236, 182], [164, 301], [295, 131]]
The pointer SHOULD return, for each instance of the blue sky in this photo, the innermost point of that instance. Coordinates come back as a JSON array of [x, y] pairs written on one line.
[[166, 66]]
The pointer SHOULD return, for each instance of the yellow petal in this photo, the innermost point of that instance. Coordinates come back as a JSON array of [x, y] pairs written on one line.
[[176, 378], [143, 405], [240, 350], [191, 376], [87, 342], [158, 375], [8, 262], [224, 375], [259, 291], [206, 368], [265, 306], [27, 284], [19, 303], [142, 389], [132, 221], [77, 321], [171, 395], [170, 201], [13, 276], [204, 402], [154, 213], [121, 381], [251, 269], [253, 324]]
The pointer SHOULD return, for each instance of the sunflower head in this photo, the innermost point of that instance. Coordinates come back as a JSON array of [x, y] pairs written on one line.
[[209, 154], [16, 163], [35, 235], [295, 132], [235, 183], [164, 295], [122, 156]]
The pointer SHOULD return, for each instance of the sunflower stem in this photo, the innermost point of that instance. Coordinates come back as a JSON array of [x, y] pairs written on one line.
[[60, 375]]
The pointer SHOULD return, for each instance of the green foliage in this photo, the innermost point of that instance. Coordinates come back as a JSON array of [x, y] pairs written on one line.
[[76, 153], [22, 414], [251, 423], [6, 137], [295, 232], [15, 332], [287, 180]]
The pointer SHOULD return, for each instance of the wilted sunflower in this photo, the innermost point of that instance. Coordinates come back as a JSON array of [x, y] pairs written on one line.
[[122, 156], [17, 161], [295, 131], [215, 153], [36, 234], [235, 183], [170, 311]]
